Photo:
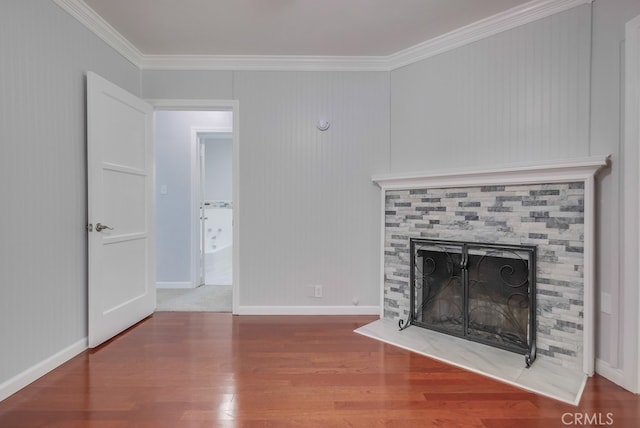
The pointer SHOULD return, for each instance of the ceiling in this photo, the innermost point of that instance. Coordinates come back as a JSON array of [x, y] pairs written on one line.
[[349, 28]]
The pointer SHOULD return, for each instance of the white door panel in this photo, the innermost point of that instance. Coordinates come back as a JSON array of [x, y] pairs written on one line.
[[127, 281], [123, 190], [120, 178], [127, 145]]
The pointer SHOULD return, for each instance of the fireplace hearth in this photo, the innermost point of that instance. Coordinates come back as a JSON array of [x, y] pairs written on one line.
[[482, 292]]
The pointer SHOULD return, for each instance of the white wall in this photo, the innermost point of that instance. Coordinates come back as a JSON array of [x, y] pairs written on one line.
[[218, 169], [309, 212], [174, 220], [45, 54], [606, 128], [182, 84], [521, 95]]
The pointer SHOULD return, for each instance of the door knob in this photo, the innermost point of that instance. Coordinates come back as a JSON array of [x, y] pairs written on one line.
[[100, 227]]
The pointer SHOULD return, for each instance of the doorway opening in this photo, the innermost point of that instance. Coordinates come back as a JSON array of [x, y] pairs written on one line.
[[216, 206], [196, 205]]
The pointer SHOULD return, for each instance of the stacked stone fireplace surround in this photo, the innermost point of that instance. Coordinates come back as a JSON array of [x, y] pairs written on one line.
[[550, 216]]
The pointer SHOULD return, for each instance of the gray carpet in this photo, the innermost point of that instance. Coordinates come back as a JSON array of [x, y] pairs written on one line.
[[207, 298]]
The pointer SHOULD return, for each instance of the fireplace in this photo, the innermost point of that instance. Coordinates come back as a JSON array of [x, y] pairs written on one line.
[[482, 292], [547, 205]]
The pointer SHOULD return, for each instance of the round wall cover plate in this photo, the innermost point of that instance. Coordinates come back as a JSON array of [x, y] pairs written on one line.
[[323, 125]]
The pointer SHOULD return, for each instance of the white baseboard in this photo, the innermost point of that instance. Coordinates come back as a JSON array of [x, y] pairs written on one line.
[[164, 284], [308, 310], [615, 375], [23, 379]]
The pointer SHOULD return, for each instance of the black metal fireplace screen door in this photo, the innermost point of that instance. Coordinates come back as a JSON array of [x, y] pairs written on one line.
[[477, 291]]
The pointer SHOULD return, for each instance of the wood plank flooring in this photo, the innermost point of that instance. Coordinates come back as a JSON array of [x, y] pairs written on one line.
[[196, 369]]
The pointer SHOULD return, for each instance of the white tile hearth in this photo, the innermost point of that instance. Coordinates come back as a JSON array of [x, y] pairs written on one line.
[[543, 377]]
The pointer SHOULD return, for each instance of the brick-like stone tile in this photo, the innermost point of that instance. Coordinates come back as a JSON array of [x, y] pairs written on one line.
[[549, 215]]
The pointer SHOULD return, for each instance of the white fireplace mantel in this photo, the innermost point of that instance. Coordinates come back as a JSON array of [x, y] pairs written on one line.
[[560, 171], [524, 173]]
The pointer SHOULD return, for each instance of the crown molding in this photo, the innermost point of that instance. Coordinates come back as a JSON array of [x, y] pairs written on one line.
[[507, 20], [264, 63], [514, 17], [101, 28]]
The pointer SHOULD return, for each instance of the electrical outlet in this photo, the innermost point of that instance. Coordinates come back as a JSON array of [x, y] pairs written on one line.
[[317, 291], [605, 303]]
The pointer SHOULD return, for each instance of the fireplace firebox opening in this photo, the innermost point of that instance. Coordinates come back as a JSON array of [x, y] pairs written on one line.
[[481, 292]]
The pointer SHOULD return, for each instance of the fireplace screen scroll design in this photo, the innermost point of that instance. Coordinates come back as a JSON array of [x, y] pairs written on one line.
[[480, 292]]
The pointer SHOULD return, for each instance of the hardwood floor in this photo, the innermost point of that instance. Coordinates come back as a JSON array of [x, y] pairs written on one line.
[[195, 369]]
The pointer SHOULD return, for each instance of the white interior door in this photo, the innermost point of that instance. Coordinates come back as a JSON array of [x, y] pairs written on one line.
[[120, 178]]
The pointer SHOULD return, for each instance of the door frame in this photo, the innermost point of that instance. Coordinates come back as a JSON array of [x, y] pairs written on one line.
[[217, 105], [197, 172]]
